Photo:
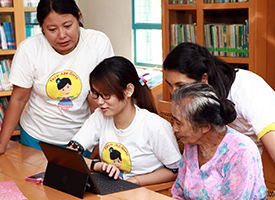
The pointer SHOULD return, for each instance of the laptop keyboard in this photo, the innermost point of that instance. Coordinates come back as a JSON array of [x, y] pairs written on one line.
[[107, 185]]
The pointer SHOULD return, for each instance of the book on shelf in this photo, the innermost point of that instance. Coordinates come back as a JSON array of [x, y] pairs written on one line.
[[3, 38], [5, 85], [6, 22], [9, 35]]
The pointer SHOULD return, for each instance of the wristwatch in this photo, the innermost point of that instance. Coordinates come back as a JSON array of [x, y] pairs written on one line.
[[93, 164]]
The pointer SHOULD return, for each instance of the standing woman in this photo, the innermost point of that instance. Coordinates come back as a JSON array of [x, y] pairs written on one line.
[[254, 99], [64, 50], [126, 124]]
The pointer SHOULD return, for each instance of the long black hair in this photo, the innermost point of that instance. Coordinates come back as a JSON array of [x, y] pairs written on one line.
[[194, 60], [112, 76], [60, 6]]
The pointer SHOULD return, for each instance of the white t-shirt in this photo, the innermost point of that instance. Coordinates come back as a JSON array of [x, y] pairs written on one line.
[[143, 147], [53, 116], [254, 102]]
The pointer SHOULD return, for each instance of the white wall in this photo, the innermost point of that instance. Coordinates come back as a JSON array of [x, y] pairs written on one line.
[[114, 18]]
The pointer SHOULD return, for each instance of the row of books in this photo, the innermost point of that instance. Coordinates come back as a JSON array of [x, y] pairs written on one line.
[[224, 1], [182, 33], [230, 40], [5, 65], [183, 1], [227, 39], [30, 3], [30, 18], [7, 38]]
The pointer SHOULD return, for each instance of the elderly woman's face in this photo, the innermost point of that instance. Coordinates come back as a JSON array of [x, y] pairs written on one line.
[[184, 129]]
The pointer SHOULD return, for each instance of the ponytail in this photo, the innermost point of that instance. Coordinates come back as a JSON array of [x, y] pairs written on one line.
[[144, 98]]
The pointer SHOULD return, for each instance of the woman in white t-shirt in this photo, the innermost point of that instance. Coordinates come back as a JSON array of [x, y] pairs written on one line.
[[63, 51], [130, 134], [254, 99]]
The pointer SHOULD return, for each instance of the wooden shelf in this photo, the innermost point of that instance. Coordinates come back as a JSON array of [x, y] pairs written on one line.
[[16, 133], [5, 93], [30, 9]]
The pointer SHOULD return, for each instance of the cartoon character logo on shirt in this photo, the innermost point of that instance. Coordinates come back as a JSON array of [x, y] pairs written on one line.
[[64, 86], [118, 155]]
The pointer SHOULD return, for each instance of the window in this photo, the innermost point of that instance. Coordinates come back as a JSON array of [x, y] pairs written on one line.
[[147, 32]]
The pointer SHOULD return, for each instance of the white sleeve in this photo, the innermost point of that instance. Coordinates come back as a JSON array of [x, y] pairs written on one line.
[[254, 101], [89, 134], [22, 69], [164, 144]]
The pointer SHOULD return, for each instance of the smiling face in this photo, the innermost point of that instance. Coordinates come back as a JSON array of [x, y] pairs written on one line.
[[66, 90], [61, 31]]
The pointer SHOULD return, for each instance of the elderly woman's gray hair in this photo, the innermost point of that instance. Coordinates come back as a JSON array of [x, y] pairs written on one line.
[[199, 104]]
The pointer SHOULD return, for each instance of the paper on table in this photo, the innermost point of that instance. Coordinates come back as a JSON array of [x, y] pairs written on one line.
[[10, 191]]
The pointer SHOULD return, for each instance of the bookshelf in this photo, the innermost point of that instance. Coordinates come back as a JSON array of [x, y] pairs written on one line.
[[260, 15], [17, 13]]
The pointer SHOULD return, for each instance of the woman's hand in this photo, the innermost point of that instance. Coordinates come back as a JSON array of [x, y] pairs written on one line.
[[110, 169]]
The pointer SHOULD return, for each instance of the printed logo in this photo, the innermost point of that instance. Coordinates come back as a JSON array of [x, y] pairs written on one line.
[[118, 155], [64, 86]]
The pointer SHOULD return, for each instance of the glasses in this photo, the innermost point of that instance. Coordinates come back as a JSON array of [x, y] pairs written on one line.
[[94, 94]]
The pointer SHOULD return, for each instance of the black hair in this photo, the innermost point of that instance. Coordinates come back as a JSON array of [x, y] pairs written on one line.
[[63, 82], [60, 6], [194, 60], [112, 75], [114, 154], [199, 103]]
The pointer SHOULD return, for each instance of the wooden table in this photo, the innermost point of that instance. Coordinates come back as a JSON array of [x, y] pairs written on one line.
[[20, 161]]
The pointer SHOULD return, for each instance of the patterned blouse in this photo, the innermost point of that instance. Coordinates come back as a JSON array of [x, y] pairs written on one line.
[[234, 172]]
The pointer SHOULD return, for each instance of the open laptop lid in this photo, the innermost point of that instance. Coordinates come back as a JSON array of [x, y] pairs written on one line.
[[64, 159]]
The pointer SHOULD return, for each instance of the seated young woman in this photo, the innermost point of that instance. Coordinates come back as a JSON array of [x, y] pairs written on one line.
[[135, 143], [218, 162]]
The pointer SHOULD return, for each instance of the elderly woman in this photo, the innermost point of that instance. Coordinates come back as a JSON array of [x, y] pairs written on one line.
[[218, 162]]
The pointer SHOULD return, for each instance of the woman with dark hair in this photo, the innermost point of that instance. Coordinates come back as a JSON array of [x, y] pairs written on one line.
[[218, 162], [64, 50], [254, 99], [126, 121]]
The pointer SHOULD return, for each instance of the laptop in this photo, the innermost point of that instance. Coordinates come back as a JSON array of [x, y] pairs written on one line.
[[67, 171]]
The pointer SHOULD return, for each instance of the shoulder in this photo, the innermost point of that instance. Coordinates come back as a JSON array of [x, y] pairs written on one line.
[[152, 120], [246, 85], [92, 34], [32, 44], [239, 142], [35, 40], [245, 78]]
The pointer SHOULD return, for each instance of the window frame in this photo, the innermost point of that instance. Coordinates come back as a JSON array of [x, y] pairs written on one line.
[[142, 26]]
